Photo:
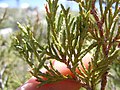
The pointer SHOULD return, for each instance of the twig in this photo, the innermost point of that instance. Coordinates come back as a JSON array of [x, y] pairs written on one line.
[[1, 74], [104, 81]]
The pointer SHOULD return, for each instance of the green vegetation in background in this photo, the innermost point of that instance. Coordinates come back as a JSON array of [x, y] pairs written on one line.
[[16, 70], [67, 37]]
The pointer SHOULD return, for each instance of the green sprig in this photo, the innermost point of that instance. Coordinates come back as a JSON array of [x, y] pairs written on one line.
[[67, 42]]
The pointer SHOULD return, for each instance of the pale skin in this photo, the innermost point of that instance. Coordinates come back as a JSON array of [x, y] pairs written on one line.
[[67, 84]]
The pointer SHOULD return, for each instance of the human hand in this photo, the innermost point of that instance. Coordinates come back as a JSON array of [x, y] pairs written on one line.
[[67, 84]]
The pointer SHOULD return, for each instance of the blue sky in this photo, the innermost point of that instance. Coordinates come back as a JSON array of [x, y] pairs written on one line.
[[38, 3], [32, 3]]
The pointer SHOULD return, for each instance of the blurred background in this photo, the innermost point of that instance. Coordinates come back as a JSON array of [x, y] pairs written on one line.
[[13, 69], [18, 10]]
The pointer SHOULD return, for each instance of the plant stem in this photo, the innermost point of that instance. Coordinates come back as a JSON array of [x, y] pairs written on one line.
[[104, 81]]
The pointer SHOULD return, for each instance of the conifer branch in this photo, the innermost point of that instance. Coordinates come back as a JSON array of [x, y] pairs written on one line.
[[67, 38]]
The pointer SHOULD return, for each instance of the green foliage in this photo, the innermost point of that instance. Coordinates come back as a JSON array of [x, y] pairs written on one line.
[[13, 71], [66, 42], [114, 77]]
